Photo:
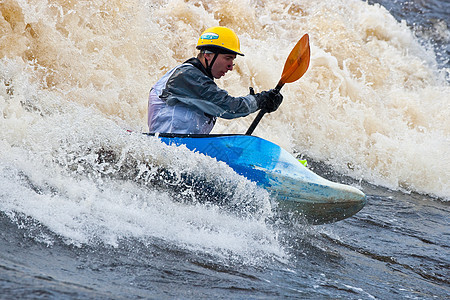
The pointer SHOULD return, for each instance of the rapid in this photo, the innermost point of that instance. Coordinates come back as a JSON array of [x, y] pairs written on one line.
[[86, 213]]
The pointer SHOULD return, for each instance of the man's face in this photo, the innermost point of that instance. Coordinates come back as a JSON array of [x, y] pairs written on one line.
[[222, 65]]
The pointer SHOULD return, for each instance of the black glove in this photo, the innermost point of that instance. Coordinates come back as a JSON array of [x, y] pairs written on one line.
[[268, 100]]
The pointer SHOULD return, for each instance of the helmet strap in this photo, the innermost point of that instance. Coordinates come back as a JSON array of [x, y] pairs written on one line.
[[209, 66]]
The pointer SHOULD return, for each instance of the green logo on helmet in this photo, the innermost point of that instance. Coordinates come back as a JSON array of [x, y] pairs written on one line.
[[209, 36]]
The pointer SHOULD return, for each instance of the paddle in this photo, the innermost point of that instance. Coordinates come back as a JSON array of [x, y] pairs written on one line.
[[295, 66]]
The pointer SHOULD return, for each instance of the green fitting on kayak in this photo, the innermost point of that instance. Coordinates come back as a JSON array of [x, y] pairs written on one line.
[[303, 162]]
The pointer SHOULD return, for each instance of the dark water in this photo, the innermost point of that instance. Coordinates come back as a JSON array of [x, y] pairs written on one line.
[[397, 247]]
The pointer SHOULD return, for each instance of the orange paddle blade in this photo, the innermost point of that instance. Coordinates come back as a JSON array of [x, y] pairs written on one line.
[[297, 62]]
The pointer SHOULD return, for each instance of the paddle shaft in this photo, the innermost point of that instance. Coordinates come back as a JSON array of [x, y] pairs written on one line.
[[261, 113]]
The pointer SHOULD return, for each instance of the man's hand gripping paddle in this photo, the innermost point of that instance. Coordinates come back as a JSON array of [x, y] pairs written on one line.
[[295, 66]]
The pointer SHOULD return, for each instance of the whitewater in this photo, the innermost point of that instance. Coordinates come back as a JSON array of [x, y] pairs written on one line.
[[83, 204]]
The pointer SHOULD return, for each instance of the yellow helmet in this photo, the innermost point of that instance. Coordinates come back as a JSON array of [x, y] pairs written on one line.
[[219, 39]]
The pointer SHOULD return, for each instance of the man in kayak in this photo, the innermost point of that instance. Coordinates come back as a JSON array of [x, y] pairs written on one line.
[[187, 100]]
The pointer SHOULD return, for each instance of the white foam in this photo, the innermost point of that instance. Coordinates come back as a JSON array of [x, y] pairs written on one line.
[[75, 76]]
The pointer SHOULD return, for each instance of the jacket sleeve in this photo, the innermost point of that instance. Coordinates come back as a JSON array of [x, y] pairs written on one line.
[[190, 86]]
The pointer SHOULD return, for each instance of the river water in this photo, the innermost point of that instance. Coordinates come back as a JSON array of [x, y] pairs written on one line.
[[371, 111]]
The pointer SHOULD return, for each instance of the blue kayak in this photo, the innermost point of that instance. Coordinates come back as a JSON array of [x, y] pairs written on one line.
[[297, 189]]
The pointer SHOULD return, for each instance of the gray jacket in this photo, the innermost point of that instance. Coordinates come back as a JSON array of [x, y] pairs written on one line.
[[187, 100]]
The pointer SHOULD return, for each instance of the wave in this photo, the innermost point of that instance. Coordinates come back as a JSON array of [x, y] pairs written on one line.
[[76, 75]]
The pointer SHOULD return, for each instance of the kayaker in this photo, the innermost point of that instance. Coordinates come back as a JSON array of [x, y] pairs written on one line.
[[187, 100]]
